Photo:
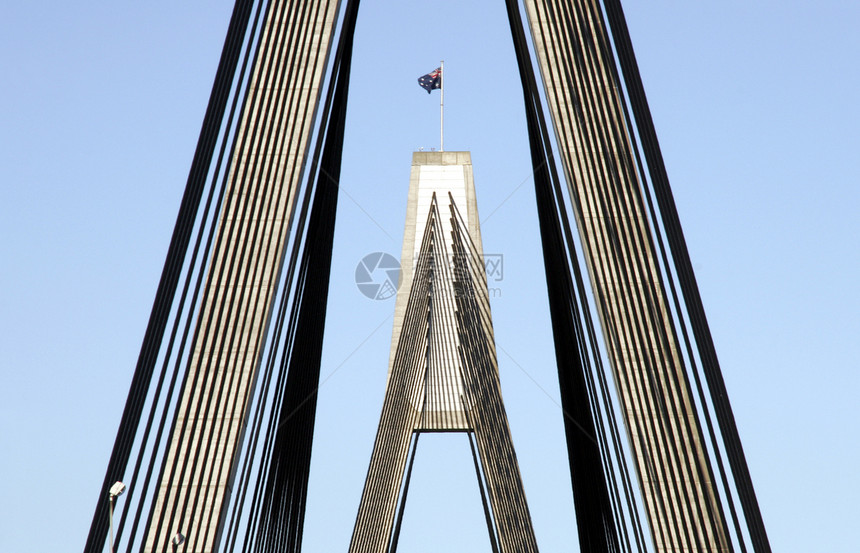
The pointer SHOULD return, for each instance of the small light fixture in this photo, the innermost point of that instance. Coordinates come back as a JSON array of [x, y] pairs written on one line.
[[116, 490], [177, 540]]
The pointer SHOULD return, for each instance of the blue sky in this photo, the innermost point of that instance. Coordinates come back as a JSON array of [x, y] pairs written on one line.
[[755, 107]]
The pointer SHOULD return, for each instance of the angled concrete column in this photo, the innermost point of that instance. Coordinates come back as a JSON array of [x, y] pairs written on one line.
[[265, 170]]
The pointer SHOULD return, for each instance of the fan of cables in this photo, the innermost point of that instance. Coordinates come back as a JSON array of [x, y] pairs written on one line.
[[229, 365], [668, 421]]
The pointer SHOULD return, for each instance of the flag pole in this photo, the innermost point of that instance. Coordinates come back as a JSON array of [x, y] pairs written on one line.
[[442, 108]]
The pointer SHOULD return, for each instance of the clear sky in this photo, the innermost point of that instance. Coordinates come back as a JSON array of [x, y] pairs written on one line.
[[755, 107]]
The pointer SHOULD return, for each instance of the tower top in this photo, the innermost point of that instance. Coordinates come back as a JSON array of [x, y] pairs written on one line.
[[441, 158], [449, 176]]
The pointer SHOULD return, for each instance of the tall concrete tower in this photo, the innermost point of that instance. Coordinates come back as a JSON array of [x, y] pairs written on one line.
[[443, 374], [640, 323], [439, 174]]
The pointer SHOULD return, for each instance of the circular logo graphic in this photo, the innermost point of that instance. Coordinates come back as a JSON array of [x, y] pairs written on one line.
[[377, 275]]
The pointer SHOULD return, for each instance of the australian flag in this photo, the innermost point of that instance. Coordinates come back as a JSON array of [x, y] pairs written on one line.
[[431, 80]]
